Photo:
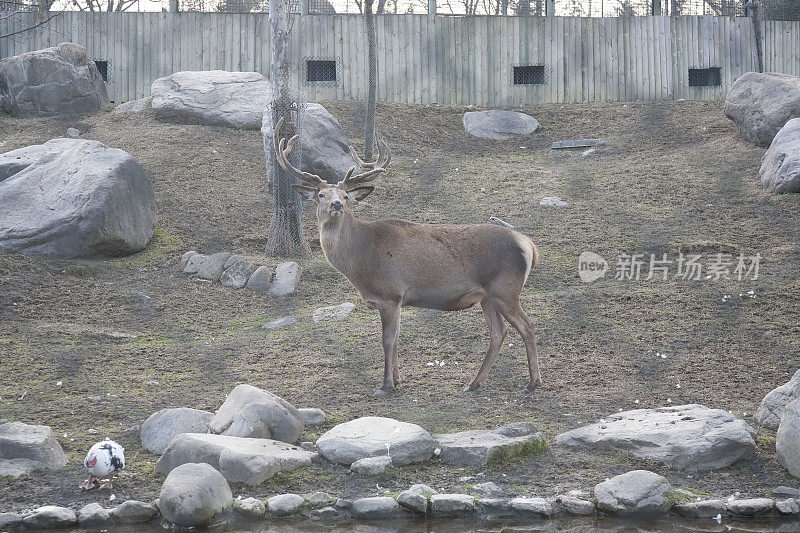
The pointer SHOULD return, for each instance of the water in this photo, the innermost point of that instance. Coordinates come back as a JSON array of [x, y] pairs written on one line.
[[572, 525]]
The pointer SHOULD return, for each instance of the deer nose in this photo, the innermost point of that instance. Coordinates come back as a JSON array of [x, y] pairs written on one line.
[[337, 205]]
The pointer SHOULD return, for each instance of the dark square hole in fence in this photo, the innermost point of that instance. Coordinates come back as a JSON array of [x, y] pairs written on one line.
[[319, 70], [102, 66], [705, 77], [529, 75]]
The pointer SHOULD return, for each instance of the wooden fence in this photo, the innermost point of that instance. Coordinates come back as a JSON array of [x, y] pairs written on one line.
[[431, 59]]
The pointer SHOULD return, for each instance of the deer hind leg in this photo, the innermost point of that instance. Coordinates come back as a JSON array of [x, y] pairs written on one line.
[[390, 322], [517, 317], [497, 334]]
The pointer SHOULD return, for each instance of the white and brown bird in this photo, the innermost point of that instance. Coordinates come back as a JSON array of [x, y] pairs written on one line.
[[103, 460]]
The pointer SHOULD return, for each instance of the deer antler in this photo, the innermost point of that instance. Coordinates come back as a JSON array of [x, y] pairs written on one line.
[[282, 151], [373, 169]]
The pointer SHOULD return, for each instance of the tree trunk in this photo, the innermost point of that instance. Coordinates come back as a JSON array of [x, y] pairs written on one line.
[[754, 8], [286, 237], [173, 6], [372, 81]]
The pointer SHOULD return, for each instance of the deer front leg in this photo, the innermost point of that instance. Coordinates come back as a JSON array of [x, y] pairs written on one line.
[[390, 322]]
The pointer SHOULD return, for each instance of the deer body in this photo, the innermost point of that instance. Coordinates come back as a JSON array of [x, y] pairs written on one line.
[[395, 263]]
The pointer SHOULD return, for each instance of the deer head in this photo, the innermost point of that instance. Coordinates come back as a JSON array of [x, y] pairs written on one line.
[[332, 200]]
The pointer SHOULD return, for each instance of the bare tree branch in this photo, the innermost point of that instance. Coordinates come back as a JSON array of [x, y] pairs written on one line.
[[42, 23]]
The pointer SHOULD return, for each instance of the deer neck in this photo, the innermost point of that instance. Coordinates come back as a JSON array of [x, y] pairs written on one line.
[[337, 236]]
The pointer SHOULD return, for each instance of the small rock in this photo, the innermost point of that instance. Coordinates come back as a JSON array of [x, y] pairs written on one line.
[[479, 447], [50, 517], [73, 132], [250, 507], [308, 446], [25, 447], [701, 509], [752, 507], [94, 515], [336, 312], [532, 507], [496, 508], [417, 498], [230, 262], [161, 427], [287, 276], [193, 262], [452, 505], [635, 491], [281, 322], [134, 512], [9, 521], [193, 494], [489, 489], [285, 504], [786, 492], [499, 124], [259, 280], [377, 508], [787, 506], [372, 466], [236, 275], [255, 413], [312, 416], [372, 436], [576, 506], [319, 499], [553, 201], [91, 431], [134, 106], [212, 266], [238, 459]]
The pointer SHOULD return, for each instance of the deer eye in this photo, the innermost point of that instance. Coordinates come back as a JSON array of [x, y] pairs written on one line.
[[346, 197], [321, 195]]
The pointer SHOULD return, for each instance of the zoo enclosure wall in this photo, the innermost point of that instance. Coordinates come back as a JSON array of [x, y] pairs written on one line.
[[424, 59]]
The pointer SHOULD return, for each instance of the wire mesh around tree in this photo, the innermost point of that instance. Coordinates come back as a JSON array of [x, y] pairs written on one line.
[[286, 235]]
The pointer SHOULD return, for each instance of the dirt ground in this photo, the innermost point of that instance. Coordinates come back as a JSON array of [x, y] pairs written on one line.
[[671, 177]]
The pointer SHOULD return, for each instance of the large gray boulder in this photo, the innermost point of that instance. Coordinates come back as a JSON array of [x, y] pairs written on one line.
[[161, 427], [479, 447], [417, 498], [636, 491], [780, 165], [193, 494], [25, 447], [372, 436], [53, 81], [251, 412], [74, 198], [285, 504], [686, 437], [324, 148], [787, 442], [94, 515], [239, 460], [761, 103], [499, 124], [771, 409], [212, 98]]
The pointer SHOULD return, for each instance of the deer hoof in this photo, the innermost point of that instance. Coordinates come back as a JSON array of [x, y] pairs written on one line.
[[383, 391], [472, 387], [533, 385]]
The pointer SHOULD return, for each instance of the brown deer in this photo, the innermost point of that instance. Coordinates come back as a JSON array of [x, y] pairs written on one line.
[[395, 263]]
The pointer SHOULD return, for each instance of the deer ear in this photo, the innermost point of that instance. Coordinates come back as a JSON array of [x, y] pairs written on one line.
[[359, 193], [305, 192]]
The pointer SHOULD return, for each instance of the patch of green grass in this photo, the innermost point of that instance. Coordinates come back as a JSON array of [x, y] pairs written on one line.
[[699, 492], [765, 439], [508, 454]]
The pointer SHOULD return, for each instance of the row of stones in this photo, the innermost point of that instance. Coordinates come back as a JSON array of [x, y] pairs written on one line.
[[638, 491], [236, 273]]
